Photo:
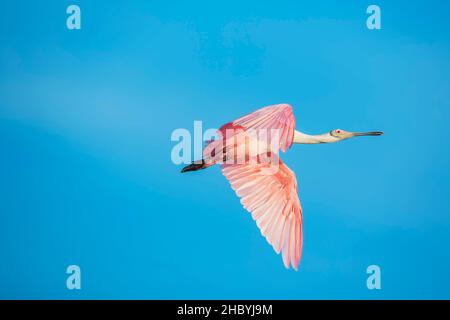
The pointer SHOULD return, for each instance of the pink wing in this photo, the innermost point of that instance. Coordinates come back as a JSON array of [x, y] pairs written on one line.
[[278, 116], [272, 200]]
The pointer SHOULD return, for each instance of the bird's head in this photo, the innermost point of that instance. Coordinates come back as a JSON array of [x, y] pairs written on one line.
[[342, 134]]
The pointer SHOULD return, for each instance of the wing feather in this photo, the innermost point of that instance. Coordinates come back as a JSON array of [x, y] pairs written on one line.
[[279, 116], [273, 203]]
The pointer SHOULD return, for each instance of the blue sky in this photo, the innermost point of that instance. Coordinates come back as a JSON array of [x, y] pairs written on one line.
[[86, 176]]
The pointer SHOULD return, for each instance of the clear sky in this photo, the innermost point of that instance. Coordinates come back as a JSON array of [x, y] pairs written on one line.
[[86, 176]]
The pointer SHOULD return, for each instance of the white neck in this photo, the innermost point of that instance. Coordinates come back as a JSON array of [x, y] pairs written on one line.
[[300, 137]]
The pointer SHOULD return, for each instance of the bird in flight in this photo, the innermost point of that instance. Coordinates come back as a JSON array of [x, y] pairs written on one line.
[[247, 150]]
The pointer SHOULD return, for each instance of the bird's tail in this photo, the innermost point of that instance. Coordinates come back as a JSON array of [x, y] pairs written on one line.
[[194, 166]]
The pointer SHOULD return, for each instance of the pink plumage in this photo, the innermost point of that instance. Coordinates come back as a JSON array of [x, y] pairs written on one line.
[[247, 149], [269, 195], [273, 202]]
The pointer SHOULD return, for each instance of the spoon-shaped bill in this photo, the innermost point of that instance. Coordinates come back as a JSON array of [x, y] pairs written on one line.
[[370, 133]]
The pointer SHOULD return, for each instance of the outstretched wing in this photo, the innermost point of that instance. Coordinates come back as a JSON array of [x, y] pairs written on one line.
[[278, 116], [269, 193]]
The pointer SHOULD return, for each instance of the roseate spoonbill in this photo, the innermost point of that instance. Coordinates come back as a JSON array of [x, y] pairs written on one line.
[[270, 196]]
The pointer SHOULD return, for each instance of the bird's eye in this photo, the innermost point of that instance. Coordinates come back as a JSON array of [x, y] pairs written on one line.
[[338, 131]]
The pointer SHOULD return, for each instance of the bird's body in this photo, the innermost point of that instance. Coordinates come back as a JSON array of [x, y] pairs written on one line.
[[247, 149]]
